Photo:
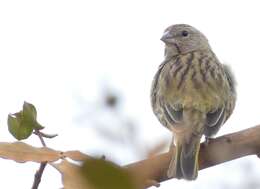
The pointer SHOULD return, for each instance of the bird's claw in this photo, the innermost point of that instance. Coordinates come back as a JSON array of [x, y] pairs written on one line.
[[207, 141]]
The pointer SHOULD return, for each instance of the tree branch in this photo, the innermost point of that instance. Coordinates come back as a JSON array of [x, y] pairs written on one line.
[[219, 150], [38, 174]]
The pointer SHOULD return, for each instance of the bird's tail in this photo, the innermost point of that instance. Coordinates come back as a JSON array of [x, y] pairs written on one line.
[[184, 163]]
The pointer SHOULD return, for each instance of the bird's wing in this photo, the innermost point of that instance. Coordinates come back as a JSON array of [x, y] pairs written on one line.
[[218, 117], [230, 105], [155, 99]]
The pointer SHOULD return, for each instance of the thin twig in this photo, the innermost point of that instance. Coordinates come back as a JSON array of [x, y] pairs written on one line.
[[39, 172], [38, 175], [39, 134], [44, 135]]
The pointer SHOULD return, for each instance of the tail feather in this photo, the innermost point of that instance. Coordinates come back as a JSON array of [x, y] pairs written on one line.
[[189, 159], [187, 137], [184, 163], [175, 166]]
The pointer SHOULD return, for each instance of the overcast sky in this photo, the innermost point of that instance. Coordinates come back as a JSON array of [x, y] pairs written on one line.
[[53, 51]]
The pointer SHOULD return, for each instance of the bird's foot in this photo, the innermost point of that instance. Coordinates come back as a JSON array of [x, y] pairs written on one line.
[[207, 140]]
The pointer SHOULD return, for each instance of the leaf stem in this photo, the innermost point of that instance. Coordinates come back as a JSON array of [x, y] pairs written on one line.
[[39, 134]]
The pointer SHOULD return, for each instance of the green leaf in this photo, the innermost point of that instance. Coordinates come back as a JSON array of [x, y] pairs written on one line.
[[17, 127], [22, 124], [30, 116], [29, 112], [38, 126], [102, 174]]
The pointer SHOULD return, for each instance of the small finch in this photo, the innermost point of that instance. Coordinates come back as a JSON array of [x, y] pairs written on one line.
[[192, 95]]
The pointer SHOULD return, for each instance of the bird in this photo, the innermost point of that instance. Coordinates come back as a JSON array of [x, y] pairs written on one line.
[[192, 94]]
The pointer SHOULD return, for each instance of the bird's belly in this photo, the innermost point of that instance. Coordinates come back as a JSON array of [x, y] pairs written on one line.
[[202, 98]]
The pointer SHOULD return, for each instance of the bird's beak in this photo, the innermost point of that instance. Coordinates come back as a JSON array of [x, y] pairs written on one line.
[[168, 37]]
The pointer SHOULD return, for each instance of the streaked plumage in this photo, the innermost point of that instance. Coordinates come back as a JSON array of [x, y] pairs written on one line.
[[192, 94]]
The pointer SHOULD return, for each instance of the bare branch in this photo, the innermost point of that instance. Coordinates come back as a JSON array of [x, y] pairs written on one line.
[[39, 134], [45, 135], [38, 174], [219, 150]]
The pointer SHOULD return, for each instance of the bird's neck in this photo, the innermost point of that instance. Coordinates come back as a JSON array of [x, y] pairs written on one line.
[[173, 54]]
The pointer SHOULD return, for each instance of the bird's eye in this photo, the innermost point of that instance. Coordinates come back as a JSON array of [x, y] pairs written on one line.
[[184, 33]]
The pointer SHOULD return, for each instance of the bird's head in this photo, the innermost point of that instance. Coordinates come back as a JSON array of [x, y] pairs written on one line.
[[182, 39]]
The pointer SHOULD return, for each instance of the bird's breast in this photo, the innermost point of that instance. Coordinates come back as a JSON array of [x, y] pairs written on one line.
[[194, 79]]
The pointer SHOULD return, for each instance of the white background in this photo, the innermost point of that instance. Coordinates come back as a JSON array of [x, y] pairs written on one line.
[[52, 51]]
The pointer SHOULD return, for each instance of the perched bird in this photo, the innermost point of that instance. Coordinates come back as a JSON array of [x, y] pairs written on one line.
[[192, 95]]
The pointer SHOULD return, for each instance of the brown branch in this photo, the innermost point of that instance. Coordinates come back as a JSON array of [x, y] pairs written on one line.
[[39, 134], [45, 135], [39, 172], [38, 175], [219, 150]]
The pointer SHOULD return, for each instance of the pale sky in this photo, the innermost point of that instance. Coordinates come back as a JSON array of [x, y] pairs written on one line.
[[52, 51]]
